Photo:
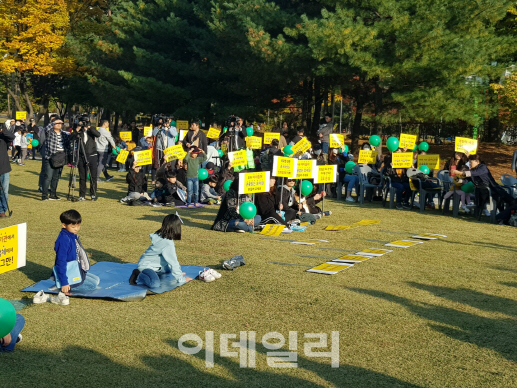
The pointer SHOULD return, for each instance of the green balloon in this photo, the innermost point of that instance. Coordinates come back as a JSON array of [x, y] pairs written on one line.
[[424, 146], [7, 318], [468, 187], [349, 166], [306, 188], [177, 138], [202, 174], [288, 150], [173, 123], [220, 152], [375, 140], [346, 149], [415, 148], [88, 176], [424, 169], [225, 129], [227, 185], [248, 210], [35, 143], [116, 151], [249, 131], [392, 143]]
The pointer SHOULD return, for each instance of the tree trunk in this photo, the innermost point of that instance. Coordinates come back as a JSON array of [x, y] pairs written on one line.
[[310, 93], [317, 106], [115, 126], [356, 128], [304, 103]]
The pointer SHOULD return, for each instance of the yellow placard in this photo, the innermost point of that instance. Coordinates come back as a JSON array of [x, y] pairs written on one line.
[[407, 141], [130, 145], [402, 160], [238, 158], [254, 142], [182, 134], [254, 182], [224, 148], [125, 136], [306, 169], [182, 124], [174, 152], [143, 158], [431, 161], [9, 249], [148, 131], [329, 269], [367, 222], [367, 157], [205, 131], [302, 146], [122, 156], [464, 144], [21, 115], [337, 140], [352, 259], [272, 230], [284, 167], [213, 133], [373, 252], [339, 227], [403, 243], [326, 174], [269, 136]]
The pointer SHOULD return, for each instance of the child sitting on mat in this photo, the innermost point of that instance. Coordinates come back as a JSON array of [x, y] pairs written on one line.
[[160, 257], [208, 193]]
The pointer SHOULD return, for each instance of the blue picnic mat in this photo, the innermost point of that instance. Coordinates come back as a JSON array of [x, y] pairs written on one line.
[[114, 282]]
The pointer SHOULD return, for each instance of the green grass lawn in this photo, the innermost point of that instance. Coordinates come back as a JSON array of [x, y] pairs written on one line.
[[439, 314]]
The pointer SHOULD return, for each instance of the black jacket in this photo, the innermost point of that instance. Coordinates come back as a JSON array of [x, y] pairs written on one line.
[[236, 138], [91, 134], [481, 177], [286, 197], [6, 137], [189, 138], [137, 182]]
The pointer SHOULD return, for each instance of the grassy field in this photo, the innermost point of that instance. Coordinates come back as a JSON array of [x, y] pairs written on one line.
[[442, 314]]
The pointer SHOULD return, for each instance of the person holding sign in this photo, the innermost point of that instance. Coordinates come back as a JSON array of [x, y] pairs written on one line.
[[399, 181], [324, 134], [195, 138], [288, 204], [123, 146], [267, 205], [103, 142], [193, 162]]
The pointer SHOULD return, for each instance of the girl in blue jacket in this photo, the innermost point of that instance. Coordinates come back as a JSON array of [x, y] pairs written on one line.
[[160, 257]]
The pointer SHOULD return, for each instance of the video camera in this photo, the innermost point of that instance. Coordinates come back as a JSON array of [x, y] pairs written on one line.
[[231, 121]]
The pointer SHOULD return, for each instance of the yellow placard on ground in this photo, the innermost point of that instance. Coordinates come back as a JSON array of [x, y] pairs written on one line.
[[330, 268], [125, 136], [429, 236], [402, 159], [367, 157], [407, 141], [213, 133], [182, 134], [373, 252], [352, 259], [464, 144], [306, 169], [254, 182], [302, 146], [339, 227], [431, 161], [272, 230], [182, 124], [148, 131], [403, 243], [326, 174], [238, 158], [122, 156], [21, 115], [367, 222], [284, 167], [254, 142], [337, 140], [143, 158], [174, 152], [269, 136], [13, 247]]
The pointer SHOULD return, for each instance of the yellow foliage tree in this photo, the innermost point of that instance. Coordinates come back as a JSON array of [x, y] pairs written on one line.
[[507, 93]]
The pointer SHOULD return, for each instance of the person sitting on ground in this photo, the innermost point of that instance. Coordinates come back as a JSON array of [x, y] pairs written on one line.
[[173, 191], [267, 205], [137, 185], [266, 159], [160, 258], [309, 203], [181, 172], [288, 203], [208, 193], [400, 183], [226, 175], [8, 342]]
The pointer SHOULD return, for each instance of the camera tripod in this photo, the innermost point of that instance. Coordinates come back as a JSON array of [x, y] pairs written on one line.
[[77, 152]]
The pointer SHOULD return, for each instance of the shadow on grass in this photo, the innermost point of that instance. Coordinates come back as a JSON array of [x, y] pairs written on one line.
[[187, 215], [499, 335], [36, 272], [98, 256]]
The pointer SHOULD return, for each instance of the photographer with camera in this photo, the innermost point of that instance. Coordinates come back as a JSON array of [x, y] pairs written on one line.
[[165, 136], [235, 135], [85, 157], [57, 146]]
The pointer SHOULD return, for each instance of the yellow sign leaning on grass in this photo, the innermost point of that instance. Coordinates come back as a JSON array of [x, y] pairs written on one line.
[[326, 174], [269, 136], [143, 158], [402, 159], [407, 141], [431, 161], [254, 182], [284, 167], [125, 136], [13, 247], [306, 169], [174, 152], [272, 230], [254, 142], [122, 156], [238, 158], [464, 144], [21, 115], [182, 124], [148, 131], [367, 157], [337, 140], [302, 146], [213, 133]]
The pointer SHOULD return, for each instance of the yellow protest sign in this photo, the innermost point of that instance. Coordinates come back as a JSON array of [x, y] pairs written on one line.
[[407, 141], [143, 158], [148, 131], [269, 136], [302, 146], [238, 158], [330, 268], [284, 167], [130, 145], [367, 157], [21, 115], [254, 142], [125, 136], [337, 140], [182, 134], [431, 161], [306, 169], [367, 222], [13, 243], [224, 148], [464, 144], [213, 133], [174, 152], [182, 124], [122, 156], [326, 174], [402, 159], [254, 182], [272, 230]]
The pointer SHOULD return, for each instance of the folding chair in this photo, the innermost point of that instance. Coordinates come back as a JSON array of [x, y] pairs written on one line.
[[509, 184], [446, 182], [362, 170], [481, 202], [412, 172], [388, 189]]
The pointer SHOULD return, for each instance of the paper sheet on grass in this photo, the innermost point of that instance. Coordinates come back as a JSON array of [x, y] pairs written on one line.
[[373, 252], [330, 268], [352, 259], [429, 236], [403, 243]]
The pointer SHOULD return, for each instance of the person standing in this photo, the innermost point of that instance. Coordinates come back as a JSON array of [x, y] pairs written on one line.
[[57, 145], [103, 142], [514, 162], [6, 137], [33, 130], [44, 161], [195, 137], [165, 136], [324, 134]]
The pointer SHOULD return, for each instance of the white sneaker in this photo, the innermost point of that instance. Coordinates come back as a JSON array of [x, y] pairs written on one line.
[[464, 208], [213, 272], [40, 297], [349, 199], [60, 299], [486, 213], [206, 276]]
